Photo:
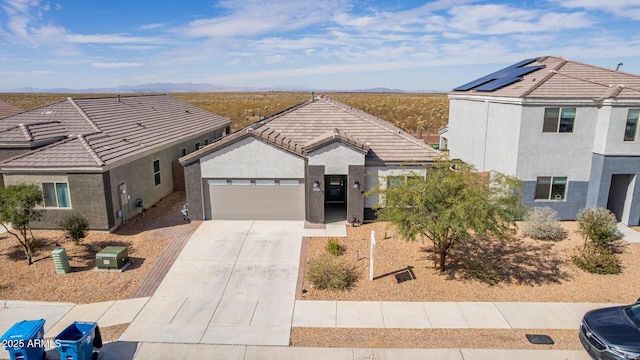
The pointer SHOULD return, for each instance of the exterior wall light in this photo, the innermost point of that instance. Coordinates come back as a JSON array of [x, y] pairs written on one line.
[[356, 185], [316, 184]]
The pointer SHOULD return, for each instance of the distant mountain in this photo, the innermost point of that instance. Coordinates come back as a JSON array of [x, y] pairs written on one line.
[[187, 87]]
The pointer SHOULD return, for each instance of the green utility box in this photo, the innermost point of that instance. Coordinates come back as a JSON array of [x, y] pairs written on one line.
[[60, 260], [112, 257]]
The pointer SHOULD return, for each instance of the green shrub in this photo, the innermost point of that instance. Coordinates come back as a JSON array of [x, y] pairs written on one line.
[[597, 260], [483, 270], [334, 248], [542, 223], [331, 272], [598, 225], [75, 226]]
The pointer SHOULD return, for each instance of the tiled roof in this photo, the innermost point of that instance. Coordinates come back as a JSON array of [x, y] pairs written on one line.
[[562, 78], [311, 124], [106, 130], [7, 109]]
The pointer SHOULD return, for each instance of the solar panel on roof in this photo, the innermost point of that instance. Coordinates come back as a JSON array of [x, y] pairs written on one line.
[[501, 78]]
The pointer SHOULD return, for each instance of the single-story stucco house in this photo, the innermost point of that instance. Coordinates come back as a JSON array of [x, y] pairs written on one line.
[[107, 158], [296, 164]]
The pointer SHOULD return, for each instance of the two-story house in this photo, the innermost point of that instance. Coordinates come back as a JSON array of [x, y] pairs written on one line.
[[569, 130]]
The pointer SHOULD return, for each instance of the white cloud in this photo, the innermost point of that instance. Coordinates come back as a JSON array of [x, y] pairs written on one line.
[[110, 39], [622, 8], [151, 26], [113, 65], [255, 17]]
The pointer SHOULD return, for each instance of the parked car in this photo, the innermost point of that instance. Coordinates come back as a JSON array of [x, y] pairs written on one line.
[[612, 333]]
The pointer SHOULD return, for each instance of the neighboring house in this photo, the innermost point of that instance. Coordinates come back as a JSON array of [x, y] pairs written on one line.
[[7, 109], [568, 130], [106, 158], [315, 156]]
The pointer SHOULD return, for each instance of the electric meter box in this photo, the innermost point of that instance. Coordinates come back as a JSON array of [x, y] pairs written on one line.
[[112, 257]]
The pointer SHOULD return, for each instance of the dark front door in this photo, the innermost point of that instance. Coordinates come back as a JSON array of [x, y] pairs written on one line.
[[335, 189]]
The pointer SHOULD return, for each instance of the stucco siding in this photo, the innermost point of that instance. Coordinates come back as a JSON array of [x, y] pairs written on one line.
[[375, 174], [614, 136], [86, 196], [576, 198], [555, 154], [252, 158], [467, 131], [336, 158]]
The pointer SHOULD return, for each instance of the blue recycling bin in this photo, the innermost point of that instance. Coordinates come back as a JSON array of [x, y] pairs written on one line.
[[24, 340], [77, 340]]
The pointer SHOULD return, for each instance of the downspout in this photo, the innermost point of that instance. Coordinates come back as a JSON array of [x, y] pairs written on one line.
[[486, 137]]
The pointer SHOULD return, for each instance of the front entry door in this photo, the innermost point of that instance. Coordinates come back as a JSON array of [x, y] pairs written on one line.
[[335, 189]]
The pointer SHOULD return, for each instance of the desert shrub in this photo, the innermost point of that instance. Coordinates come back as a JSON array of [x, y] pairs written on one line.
[[598, 225], [596, 259], [75, 226], [331, 272], [542, 223], [334, 248]]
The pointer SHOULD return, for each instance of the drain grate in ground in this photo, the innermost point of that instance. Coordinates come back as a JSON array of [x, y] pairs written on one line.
[[540, 339]]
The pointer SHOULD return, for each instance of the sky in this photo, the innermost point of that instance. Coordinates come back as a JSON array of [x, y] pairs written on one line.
[[315, 44]]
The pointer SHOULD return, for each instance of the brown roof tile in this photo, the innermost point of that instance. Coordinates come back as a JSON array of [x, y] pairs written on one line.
[[7, 109], [112, 128], [562, 78], [310, 124]]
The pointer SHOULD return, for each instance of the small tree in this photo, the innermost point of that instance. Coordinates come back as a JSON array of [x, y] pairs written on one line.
[[450, 204], [75, 226], [17, 206], [597, 225]]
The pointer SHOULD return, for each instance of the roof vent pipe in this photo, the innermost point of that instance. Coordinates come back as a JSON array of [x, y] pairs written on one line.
[[618, 66], [118, 96], [312, 96]]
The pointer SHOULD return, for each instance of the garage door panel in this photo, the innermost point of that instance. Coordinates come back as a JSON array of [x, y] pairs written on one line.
[[260, 202]]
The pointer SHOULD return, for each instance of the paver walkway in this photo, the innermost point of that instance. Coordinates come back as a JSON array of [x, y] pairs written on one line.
[[179, 235]]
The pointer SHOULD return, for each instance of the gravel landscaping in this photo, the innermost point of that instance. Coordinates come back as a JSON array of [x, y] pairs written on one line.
[[525, 270], [39, 281]]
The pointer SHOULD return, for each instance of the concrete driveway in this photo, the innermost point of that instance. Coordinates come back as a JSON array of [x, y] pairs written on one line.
[[233, 283]]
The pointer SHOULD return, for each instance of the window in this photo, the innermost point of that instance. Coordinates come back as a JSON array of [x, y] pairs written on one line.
[[156, 172], [631, 129], [289, 182], [397, 180], [206, 142], [197, 146], [183, 152], [56, 194], [241, 182], [559, 120], [551, 188], [265, 182], [217, 182]]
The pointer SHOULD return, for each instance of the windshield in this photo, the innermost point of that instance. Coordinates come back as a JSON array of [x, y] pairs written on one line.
[[633, 312]]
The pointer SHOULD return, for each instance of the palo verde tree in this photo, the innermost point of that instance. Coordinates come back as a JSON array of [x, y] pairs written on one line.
[[449, 204], [17, 206]]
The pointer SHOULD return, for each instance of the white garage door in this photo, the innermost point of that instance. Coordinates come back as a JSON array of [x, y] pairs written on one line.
[[244, 199]]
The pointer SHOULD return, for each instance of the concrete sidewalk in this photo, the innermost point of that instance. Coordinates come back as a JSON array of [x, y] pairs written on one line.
[[440, 315]]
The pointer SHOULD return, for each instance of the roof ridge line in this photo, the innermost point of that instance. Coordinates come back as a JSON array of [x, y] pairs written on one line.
[[545, 78], [84, 115], [26, 132], [90, 150], [384, 125]]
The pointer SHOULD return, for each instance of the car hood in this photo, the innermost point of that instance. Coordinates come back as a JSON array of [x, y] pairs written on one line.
[[614, 327]]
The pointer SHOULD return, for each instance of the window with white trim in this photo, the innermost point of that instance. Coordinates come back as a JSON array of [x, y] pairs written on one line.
[[289, 182], [631, 128], [551, 188], [156, 172], [265, 182], [56, 194], [558, 120]]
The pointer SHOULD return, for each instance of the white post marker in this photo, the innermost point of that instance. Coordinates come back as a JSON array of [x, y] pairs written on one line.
[[373, 244]]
